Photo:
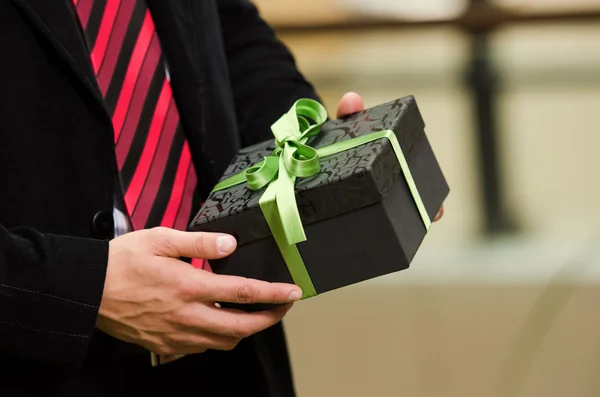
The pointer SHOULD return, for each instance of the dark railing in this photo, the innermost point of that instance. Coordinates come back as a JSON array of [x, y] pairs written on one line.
[[479, 22]]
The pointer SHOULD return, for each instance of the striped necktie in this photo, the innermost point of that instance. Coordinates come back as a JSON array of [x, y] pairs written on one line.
[[153, 156]]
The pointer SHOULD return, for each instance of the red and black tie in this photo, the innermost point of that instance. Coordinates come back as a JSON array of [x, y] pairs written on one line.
[[153, 156]]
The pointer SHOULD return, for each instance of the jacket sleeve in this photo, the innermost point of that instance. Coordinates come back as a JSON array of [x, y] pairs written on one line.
[[264, 77], [50, 290]]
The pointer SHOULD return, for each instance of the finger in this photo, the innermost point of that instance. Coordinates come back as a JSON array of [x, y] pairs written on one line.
[[350, 103], [233, 289], [239, 324], [175, 244], [439, 214]]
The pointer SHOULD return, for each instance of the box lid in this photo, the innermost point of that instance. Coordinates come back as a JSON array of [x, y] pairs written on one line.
[[348, 180]]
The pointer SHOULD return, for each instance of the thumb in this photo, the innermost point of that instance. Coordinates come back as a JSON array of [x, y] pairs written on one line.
[[174, 243], [350, 103]]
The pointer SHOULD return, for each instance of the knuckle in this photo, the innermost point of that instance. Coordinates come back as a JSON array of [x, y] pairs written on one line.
[[231, 344], [186, 289], [164, 349], [245, 293], [198, 242], [182, 319], [240, 331], [160, 240], [158, 231]]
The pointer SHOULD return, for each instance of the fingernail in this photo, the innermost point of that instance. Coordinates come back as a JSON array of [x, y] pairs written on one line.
[[225, 244], [295, 295]]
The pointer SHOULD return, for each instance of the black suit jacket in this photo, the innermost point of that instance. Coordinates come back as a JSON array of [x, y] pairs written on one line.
[[231, 79]]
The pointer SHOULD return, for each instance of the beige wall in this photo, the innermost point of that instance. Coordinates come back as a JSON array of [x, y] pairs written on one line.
[[514, 316], [448, 341]]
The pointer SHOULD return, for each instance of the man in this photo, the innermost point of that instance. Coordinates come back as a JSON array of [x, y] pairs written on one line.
[[117, 118]]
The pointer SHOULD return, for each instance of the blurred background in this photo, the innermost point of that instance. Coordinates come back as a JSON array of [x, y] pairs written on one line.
[[503, 297]]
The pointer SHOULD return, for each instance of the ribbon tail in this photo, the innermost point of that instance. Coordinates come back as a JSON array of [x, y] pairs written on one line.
[[285, 196], [289, 252]]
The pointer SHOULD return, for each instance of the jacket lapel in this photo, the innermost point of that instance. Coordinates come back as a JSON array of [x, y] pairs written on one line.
[[57, 23]]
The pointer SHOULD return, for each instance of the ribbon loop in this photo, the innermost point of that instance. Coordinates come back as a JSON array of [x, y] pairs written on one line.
[[263, 173], [302, 160]]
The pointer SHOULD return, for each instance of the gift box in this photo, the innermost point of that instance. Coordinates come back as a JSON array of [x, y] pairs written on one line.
[[328, 203]]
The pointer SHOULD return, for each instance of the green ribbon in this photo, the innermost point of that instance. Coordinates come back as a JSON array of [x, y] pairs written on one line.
[[291, 159]]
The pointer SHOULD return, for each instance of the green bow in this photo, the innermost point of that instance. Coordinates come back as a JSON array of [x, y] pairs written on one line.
[[292, 158]]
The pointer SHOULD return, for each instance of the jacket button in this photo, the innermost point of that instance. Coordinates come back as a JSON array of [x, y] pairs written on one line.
[[102, 225]]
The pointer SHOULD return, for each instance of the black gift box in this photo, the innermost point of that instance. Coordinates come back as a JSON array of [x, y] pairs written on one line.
[[359, 216]]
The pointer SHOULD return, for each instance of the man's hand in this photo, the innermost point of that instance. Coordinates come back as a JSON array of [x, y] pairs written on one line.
[[352, 103], [153, 299]]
